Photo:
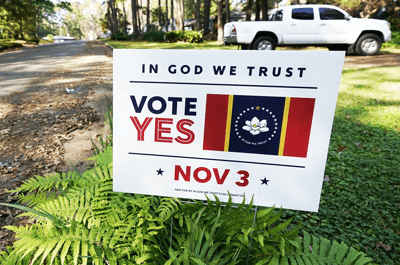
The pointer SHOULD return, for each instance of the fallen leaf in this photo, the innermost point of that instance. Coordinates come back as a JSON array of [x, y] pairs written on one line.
[[387, 248]]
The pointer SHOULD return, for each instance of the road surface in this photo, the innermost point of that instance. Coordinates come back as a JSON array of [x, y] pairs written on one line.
[[52, 103]]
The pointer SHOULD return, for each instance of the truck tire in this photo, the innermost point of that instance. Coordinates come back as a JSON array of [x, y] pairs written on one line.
[[264, 43], [368, 44]]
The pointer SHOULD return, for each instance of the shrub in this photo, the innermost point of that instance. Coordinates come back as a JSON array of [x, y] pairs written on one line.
[[157, 36], [394, 42], [193, 36], [32, 40], [174, 36], [50, 38], [119, 35], [187, 36]]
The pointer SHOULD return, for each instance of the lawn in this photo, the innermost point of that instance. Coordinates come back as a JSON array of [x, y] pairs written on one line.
[[360, 201]]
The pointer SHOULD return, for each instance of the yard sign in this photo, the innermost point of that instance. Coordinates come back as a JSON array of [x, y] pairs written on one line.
[[190, 123]]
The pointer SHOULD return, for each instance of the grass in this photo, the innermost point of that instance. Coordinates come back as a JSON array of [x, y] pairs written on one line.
[[212, 45], [360, 204]]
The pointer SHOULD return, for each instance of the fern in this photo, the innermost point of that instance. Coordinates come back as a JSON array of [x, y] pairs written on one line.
[[80, 220], [318, 250]]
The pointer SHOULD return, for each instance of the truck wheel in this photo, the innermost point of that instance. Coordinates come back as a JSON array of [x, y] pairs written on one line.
[[264, 43], [368, 44]]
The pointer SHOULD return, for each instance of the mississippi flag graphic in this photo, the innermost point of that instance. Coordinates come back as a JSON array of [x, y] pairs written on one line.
[[261, 125]]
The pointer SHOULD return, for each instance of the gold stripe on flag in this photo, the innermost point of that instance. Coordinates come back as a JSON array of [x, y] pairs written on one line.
[[228, 123], [284, 126]]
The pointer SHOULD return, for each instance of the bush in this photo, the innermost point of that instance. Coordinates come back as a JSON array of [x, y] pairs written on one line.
[[119, 35], [32, 40], [50, 38], [193, 36], [394, 42], [157, 36], [174, 36], [187, 36]]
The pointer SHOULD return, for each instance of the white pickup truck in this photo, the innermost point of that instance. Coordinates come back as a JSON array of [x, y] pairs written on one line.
[[310, 25]]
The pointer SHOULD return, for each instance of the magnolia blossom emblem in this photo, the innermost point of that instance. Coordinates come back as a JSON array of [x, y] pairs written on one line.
[[255, 126]]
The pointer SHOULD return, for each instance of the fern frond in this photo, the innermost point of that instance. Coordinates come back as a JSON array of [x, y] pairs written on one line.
[[33, 199], [46, 183], [103, 158], [316, 250], [167, 207], [10, 257], [76, 242]]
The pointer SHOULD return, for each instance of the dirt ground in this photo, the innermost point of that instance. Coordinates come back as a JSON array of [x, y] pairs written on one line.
[[51, 125], [382, 59]]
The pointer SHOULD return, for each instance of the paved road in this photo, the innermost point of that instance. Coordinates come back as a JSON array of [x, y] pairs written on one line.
[[52, 104], [17, 68]]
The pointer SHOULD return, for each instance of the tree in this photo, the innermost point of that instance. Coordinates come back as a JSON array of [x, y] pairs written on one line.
[[227, 11], [180, 14], [166, 16], [112, 16], [172, 14], [198, 18], [74, 21], [220, 21], [264, 8], [134, 20], [148, 15], [207, 4], [257, 18], [249, 8]]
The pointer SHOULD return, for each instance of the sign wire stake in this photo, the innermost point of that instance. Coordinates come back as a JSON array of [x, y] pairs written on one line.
[[251, 237], [172, 224]]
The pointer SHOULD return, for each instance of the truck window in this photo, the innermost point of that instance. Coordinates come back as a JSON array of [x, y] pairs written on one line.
[[276, 16], [329, 13], [303, 13]]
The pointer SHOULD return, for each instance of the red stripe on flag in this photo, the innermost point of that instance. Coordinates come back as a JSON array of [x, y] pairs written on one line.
[[299, 126], [215, 122]]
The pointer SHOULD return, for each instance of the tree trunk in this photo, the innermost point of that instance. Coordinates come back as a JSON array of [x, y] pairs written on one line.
[[257, 10], [179, 8], [248, 9], [295, 2], [198, 18], [264, 7], [220, 21], [166, 16], [110, 23], [113, 16], [227, 11], [148, 16], [140, 16], [123, 8], [37, 21], [206, 16], [159, 16], [134, 20], [172, 15]]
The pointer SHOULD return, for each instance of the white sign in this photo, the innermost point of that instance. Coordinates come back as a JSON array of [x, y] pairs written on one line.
[[190, 123]]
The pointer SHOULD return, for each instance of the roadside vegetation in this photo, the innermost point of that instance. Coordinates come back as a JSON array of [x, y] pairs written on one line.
[[393, 46]]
